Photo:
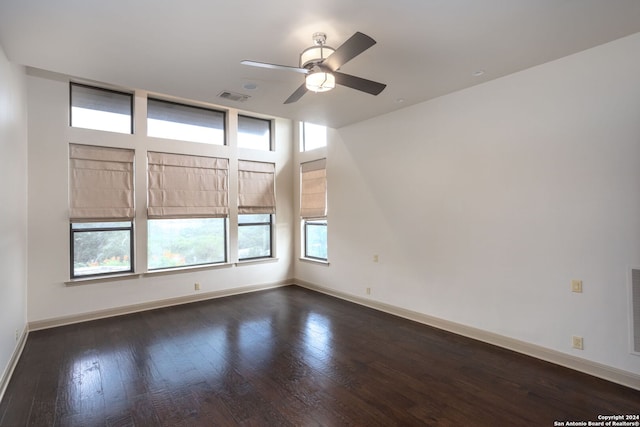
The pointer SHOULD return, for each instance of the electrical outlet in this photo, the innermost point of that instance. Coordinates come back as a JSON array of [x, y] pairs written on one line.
[[196, 286], [376, 258], [17, 334], [368, 291], [576, 286], [577, 342]]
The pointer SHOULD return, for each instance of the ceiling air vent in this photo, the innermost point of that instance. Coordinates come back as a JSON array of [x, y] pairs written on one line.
[[233, 96]]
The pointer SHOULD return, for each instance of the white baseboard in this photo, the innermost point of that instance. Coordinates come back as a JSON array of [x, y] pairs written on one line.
[[595, 369], [135, 308], [6, 375]]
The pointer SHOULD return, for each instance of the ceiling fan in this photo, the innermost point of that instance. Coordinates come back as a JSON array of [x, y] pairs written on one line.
[[320, 64]]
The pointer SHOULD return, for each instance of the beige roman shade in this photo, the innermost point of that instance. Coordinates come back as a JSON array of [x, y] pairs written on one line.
[[313, 189], [100, 183], [256, 183], [184, 186]]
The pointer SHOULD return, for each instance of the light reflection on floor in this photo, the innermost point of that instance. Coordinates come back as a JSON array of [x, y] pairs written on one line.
[[317, 340], [83, 383], [255, 341]]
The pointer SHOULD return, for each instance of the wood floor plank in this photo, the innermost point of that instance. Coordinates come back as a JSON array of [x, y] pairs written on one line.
[[288, 356]]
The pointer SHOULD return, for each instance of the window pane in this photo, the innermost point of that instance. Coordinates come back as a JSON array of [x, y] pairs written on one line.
[[254, 133], [313, 136], [254, 218], [101, 109], [184, 122], [101, 252], [185, 242], [254, 241], [316, 239]]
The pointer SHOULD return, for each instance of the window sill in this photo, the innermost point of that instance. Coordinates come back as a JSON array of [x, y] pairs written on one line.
[[125, 276], [97, 279], [256, 261], [314, 261], [173, 270]]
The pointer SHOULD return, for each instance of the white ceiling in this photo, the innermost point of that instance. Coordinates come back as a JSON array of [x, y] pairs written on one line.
[[192, 48]]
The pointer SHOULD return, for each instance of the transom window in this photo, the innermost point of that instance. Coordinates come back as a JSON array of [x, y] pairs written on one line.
[[100, 109], [254, 133], [312, 136], [171, 120]]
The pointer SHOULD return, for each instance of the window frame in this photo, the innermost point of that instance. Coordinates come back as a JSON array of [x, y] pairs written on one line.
[[119, 92], [322, 222], [271, 139], [270, 228], [225, 137], [72, 233]]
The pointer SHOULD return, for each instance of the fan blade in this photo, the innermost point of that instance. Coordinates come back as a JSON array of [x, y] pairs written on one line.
[[353, 47], [358, 83], [297, 94], [275, 66]]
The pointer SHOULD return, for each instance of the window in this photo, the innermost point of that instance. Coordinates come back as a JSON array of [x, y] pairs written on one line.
[[256, 206], [100, 109], [187, 209], [315, 238], [101, 248], [254, 133], [254, 236], [185, 122], [180, 242], [313, 208], [312, 136], [101, 210]]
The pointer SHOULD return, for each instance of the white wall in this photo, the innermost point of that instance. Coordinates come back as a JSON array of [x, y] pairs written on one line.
[[13, 208], [49, 136], [484, 204]]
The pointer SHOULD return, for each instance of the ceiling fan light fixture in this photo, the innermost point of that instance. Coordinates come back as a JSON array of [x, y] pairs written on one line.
[[314, 54], [320, 81]]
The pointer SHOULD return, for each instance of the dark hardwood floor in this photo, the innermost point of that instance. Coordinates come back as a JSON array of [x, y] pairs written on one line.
[[289, 357]]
